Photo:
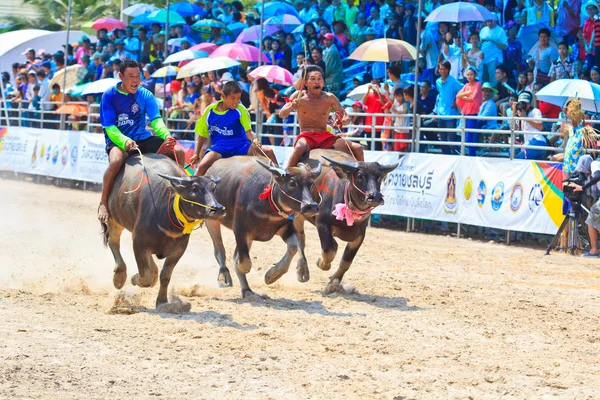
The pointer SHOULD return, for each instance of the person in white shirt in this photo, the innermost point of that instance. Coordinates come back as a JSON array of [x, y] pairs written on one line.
[[533, 134], [493, 41], [539, 13], [451, 52]]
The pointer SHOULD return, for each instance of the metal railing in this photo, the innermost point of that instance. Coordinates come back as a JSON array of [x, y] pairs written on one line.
[[20, 114]]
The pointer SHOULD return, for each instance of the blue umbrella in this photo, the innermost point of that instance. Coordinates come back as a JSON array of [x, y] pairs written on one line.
[[138, 9], [141, 19], [186, 9], [160, 17], [279, 8]]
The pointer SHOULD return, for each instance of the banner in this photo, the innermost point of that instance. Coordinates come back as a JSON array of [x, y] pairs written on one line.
[[517, 195]]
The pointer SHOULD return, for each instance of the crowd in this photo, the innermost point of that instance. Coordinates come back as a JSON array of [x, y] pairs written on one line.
[[492, 68]]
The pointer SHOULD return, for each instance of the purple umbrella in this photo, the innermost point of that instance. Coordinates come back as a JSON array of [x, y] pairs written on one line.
[[252, 34], [460, 12]]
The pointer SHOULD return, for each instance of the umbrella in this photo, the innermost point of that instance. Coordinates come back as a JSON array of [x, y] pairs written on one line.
[[300, 29], [561, 90], [359, 92], [288, 22], [274, 74], [186, 9], [208, 23], [108, 23], [237, 27], [206, 47], [165, 72], [75, 73], [384, 50], [100, 86], [240, 52], [203, 65], [178, 41], [252, 34], [77, 90], [141, 19], [274, 8], [137, 9], [185, 55], [528, 35], [72, 109], [160, 16], [460, 12]]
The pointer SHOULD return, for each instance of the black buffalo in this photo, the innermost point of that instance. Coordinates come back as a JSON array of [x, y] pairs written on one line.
[[159, 207], [261, 202]]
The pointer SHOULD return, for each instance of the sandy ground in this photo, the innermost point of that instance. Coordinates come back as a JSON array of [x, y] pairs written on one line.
[[432, 318]]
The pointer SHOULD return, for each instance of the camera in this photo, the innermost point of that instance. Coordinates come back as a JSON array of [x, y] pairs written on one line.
[[569, 191], [520, 107]]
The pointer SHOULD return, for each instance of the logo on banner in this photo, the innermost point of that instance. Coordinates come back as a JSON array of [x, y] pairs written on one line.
[[516, 197], [34, 154], [135, 108], [536, 196], [497, 196], [73, 156], [64, 155], [481, 193], [450, 201], [55, 155], [48, 153], [468, 191]]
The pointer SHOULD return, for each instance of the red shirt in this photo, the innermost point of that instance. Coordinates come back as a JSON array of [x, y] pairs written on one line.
[[548, 110], [374, 105], [588, 30]]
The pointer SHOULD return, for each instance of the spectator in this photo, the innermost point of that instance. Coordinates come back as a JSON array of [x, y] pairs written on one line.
[[356, 120], [374, 101], [473, 57], [545, 54], [409, 31], [44, 92], [275, 55], [595, 75], [533, 135], [493, 42], [488, 109], [426, 98], [132, 45], [393, 31], [334, 77], [119, 51], [34, 108], [563, 67], [469, 100], [513, 54], [591, 8], [376, 23], [447, 88], [452, 53], [504, 86], [145, 43], [308, 13], [429, 47], [351, 12], [317, 59], [359, 29], [401, 131], [567, 21], [8, 87], [83, 48], [29, 56], [339, 29], [148, 82], [539, 13]]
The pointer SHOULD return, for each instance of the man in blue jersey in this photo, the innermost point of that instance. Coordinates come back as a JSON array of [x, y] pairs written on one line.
[[123, 112], [228, 125]]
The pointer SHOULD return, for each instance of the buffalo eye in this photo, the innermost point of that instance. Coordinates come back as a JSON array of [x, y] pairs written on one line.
[[292, 183], [359, 176]]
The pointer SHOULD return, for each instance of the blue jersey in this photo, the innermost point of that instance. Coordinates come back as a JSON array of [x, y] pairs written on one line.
[[228, 126], [128, 112]]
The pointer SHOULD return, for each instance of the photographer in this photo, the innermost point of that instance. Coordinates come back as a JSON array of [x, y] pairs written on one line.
[[532, 129], [588, 168]]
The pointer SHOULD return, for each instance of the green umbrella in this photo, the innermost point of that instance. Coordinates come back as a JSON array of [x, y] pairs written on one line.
[[160, 16]]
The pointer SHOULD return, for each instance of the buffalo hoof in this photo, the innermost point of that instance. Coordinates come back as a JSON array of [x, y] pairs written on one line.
[[273, 274], [322, 265], [173, 307], [119, 278], [244, 266], [250, 295], [224, 279], [334, 286], [302, 271], [135, 281]]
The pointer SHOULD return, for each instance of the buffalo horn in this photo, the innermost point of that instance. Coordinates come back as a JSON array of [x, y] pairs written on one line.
[[216, 180], [352, 166], [274, 170], [389, 168], [317, 171]]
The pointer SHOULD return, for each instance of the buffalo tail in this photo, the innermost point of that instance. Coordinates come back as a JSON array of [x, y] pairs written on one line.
[[104, 233]]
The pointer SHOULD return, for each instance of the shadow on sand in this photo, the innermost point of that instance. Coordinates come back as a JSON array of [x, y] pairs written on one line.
[[309, 307], [388, 303], [206, 317]]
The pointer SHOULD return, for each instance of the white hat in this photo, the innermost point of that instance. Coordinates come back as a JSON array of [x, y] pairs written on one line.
[[226, 77]]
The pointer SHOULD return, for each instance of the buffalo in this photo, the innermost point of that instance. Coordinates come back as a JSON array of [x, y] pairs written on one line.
[[262, 201], [160, 206], [350, 190]]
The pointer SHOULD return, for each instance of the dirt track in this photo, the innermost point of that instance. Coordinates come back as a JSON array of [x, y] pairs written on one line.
[[432, 317]]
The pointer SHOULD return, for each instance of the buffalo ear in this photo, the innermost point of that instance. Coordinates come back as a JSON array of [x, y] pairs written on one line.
[[343, 170], [275, 171], [216, 180], [178, 183]]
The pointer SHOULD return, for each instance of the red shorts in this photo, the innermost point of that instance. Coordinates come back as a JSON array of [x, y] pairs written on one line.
[[318, 140]]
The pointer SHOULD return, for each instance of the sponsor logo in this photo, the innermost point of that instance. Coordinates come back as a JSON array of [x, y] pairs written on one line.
[[468, 189], [516, 197], [64, 155], [123, 119], [54, 154], [450, 205], [42, 151], [73, 156], [536, 197], [481, 193], [48, 153], [497, 196], [135, 108]]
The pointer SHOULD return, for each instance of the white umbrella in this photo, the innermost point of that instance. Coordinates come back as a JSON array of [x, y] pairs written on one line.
[[185, 55], [559, 91], [358, 92], [100, 86], [137, 9], [203, 65]]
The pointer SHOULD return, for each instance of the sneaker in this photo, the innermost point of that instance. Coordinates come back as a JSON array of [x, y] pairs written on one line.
[[587, 254]]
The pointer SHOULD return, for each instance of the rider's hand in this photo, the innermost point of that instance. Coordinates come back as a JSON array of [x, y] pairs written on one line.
[[130, 144], [576, 187], [295, 104], [171, 140], [256, 143], [194, 158]]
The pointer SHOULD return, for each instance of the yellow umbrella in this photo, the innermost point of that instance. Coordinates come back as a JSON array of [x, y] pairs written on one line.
[[75, 73], [386, 50], [72, 109]]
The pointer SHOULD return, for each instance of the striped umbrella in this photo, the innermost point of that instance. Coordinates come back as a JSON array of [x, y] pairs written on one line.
[[384, 50], [208, 23], [274, 74], [75, 73], [165, 72], [288, 22], [240, 52]]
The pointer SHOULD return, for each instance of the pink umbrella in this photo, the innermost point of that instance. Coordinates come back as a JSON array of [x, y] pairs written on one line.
[[239, 52], [108, 23], [274, 74], [252, 34], [206, 47]]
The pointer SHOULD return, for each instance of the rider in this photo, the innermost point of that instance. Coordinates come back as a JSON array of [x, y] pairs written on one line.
[[313, 107], [228, 124], [123, 111]]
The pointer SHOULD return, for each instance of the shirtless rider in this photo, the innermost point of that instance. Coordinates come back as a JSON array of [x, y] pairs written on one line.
[[313, 106]]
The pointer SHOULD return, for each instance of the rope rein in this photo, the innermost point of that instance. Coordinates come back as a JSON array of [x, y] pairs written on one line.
[[141, 176]]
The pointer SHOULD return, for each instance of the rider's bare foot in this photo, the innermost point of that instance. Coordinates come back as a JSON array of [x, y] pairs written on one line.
[[102, 213]]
